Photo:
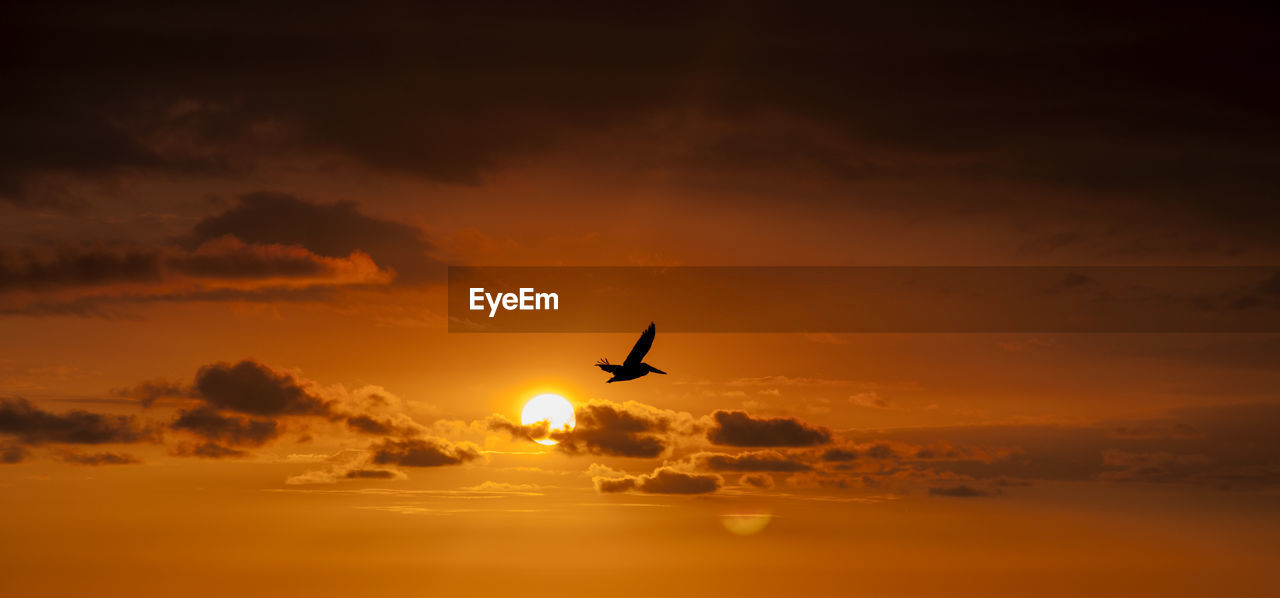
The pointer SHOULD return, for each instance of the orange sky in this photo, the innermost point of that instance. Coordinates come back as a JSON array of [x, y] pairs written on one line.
[[225, 364]]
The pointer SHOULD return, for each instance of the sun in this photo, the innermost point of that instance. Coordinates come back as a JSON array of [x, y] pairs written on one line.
[[551, 408]]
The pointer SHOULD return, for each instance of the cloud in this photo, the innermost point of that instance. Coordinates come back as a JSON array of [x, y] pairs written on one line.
[[333, 230], [397, 424], [234, 430], [614, 485], [880, 451], [945, 118], [147, 393], [423, 452], [225, 261], [1221, 446], [249, 404], [100, 459], [666, 480], [241, 405], [229, 258], [373, 474], [829, 480], [33, 426], [958, 492], [839, 454], [762, 481], [749, 461], [629, 429], [207, 450], [1153, 466], [663, 480], [78, 267], [79, 279], [503, 487], [253, 388], [12, 453], [532, 432], [736, 428], [871, 400], [345, 465]]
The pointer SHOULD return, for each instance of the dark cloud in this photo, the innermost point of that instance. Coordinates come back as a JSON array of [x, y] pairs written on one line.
[[234, 430], [762, 481], [614, 485], [628, 430], [74, 266], [371, 474], [1157, 466], [207, 450], [958, 492], [663, 480], [100, 459], [147, 393], [749, 461], [12, 453], [426, 452], [736, 428], [253, 388], [332, 230], [117, 307], [86, 280], [839, 455], [532, 432], [222, 259], [384, 426], [1177, 109], [32, 425], [603, 428], [881, 451], [250, 404], [1223, 446]]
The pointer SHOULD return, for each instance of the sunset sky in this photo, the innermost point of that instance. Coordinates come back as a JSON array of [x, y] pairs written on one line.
[[225, 357]]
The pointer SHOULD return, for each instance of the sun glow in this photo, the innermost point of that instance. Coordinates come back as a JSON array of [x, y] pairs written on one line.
[[552, 408]]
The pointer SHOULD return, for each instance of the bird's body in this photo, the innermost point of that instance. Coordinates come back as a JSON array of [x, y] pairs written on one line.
[[634, 367]]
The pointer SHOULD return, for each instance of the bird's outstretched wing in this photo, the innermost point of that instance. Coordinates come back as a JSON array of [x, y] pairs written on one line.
[[642, 347], [604, 364]]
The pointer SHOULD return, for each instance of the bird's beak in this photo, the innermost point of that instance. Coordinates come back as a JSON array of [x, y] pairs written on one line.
[[656, 370]]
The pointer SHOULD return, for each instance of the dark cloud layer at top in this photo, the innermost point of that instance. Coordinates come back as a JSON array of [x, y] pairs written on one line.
[[1175, 104]]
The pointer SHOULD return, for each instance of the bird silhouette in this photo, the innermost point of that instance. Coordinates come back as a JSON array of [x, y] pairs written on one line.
[[634, 366]]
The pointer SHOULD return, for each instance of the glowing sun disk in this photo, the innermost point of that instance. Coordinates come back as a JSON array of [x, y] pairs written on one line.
[[551, 408]]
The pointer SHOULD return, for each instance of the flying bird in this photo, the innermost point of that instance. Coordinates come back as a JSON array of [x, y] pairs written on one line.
[[634, 366]]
